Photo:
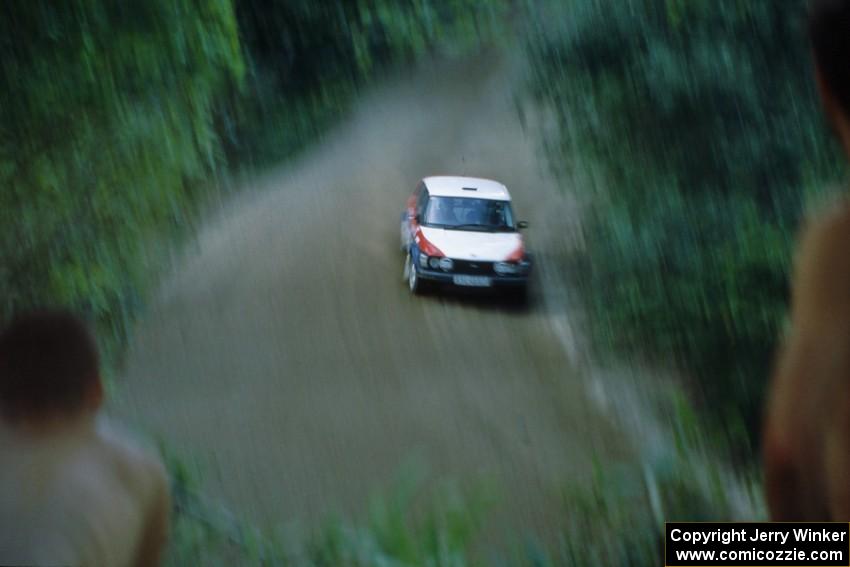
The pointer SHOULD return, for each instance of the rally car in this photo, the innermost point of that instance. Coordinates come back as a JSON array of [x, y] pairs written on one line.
[[461, 231]]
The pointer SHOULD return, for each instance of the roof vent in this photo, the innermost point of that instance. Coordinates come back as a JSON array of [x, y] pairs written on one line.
[[470, 188]]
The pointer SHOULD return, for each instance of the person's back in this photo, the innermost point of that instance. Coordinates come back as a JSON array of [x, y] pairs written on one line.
[[807, 437], [807, 428], [72, 490]]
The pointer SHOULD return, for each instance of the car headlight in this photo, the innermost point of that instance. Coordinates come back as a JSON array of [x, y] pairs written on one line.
[[505, 268], [434, 262], [423, 260], [512, 268], [446, 264]]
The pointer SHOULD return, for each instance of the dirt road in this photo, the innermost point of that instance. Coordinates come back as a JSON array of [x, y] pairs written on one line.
[[285, 354]]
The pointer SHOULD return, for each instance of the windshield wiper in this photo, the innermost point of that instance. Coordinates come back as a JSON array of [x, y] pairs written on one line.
[[487, 227], [474, 225]]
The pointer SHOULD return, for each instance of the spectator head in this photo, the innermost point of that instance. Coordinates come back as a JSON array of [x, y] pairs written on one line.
[[829, 28], [48, 367]]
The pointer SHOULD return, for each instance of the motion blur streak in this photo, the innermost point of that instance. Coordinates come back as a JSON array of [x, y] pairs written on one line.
[[286, 355]]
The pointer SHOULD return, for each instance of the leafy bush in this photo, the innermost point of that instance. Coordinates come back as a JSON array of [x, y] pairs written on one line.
[[617, 519], [698, 126], [308, 59], [307, 44], [408, 526], [115, 119], [106, 136]]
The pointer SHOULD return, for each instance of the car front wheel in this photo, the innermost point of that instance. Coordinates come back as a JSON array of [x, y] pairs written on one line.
[[416, 285]]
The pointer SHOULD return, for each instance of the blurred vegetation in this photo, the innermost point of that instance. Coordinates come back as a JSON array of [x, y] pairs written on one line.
[[118, 121], [692, 131], [407, 526], [106, 136], [307, 59], [614, 519]]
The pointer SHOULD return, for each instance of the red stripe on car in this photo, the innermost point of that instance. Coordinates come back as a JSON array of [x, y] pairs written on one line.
[[425, 246], [517, 255]]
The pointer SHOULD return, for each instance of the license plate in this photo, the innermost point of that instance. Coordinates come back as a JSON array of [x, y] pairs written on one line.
[[472, 281]]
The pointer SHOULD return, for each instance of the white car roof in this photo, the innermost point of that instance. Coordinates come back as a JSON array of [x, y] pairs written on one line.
[[459, 186]]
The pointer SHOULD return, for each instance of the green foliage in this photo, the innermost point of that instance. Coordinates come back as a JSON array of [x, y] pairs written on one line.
[[307, 45], [106, 133], [617, 519], [115, 119], [439, 532], [411, 526], [416, 527], [308, 59], [700, 122], [203, 533]]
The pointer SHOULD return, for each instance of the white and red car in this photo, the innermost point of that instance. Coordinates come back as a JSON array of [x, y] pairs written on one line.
[[462, 231]]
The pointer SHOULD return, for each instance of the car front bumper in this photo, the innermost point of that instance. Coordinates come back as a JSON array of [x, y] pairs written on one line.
[[475, 269], [448, 278]]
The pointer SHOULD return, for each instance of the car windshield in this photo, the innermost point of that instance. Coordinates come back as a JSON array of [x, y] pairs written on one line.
[[464, 213]]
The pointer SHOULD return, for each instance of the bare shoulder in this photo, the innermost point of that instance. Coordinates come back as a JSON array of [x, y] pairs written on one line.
[[142, 477], [822, 273], [136, 465], [828, 230]]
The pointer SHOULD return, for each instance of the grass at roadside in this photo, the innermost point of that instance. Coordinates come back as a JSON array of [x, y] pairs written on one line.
[[441, 533], [613, 519]]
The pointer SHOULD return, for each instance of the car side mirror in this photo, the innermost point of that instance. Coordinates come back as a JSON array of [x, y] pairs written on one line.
[[415, 217], [522, 224]]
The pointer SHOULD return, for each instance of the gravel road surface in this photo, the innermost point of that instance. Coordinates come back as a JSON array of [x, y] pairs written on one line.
[[284, 354]]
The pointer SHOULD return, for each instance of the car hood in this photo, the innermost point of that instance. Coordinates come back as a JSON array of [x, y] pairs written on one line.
[[470, 245]]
